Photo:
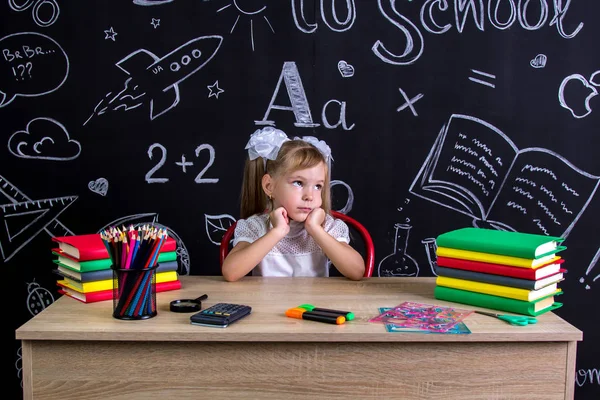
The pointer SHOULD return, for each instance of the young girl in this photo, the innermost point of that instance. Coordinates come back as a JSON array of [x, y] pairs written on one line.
[[285, 227]]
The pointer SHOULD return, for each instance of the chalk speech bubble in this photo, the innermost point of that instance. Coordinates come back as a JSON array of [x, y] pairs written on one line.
[[31, 64]]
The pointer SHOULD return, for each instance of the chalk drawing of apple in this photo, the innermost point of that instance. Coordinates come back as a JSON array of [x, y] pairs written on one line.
[[576, 79]]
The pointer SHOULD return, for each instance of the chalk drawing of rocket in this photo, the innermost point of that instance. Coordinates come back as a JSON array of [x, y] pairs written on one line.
[[158, 78]]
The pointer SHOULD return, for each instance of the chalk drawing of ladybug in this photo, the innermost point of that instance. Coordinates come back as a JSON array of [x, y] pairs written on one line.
[[38, 298]]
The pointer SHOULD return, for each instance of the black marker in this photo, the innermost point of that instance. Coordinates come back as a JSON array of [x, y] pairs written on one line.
[[301, 313], [346, 314]]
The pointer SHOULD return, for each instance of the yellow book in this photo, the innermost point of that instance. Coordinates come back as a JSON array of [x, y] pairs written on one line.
[[496, 258], [106, 284], [497, 290]]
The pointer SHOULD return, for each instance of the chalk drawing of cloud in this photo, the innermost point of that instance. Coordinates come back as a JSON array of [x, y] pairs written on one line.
[[45, 139]]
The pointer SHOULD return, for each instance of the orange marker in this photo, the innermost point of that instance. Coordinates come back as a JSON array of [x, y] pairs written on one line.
[[301, 313]]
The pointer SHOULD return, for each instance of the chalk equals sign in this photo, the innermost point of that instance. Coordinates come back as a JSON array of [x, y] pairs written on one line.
[[482, 75]]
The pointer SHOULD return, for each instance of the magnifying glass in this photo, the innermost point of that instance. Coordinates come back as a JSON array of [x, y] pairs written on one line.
[[188, 305]]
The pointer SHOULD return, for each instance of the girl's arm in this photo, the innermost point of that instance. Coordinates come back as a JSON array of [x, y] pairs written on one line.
[[345, 258], [245, 256]]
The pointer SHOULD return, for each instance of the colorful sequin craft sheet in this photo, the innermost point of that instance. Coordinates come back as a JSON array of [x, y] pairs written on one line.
[[421, 316]]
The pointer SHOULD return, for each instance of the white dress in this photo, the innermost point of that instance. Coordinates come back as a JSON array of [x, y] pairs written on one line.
[[297, 254]]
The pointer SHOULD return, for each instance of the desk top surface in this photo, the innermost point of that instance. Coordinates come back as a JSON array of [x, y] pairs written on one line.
[[69, 319]]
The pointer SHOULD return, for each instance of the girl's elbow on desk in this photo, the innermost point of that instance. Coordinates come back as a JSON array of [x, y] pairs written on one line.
[[355, 275], [229, 272], [230, 276]]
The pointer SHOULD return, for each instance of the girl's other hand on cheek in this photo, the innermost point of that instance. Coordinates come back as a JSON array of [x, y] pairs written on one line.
[[280, 220], [314, 220]]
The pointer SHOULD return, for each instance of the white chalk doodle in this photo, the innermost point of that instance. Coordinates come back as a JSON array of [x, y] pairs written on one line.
[[539, 61], [342, 115], [14, 234], [99, 186], [183, 163], [475, 169], [155, 22], [110, 34], [214, 90], [432, 12], [216, 226], [251, 13], [329, 15], [38, 298], [22, 218], [349, 198], [483, 75], [292, 81], [409, 102], [346, 70], [158, 78], [151, 2], [19, 365], [412, 51], [15, 196], [290, 77], [38, 64], [588, 86], [584, 280], [44, 139], [399, 262], [183, 257], [43, 12], [430, 250], [590, 376]]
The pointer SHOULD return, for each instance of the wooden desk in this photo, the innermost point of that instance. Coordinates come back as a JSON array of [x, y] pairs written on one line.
[[78, 351]]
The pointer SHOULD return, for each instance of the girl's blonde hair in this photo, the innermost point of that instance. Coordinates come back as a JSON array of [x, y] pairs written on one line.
[[293, 155]]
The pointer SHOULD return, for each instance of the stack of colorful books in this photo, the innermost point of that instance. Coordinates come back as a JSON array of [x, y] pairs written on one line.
[[502, 270], [84, 267]]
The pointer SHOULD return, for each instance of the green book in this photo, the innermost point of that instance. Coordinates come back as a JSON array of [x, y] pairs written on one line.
[[507, 243], [532, 308], [82, 266], [103, 263], [167, 256]]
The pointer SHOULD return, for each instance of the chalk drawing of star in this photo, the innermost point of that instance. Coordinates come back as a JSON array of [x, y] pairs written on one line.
[[215, 90], [110, 34], [155, 22]]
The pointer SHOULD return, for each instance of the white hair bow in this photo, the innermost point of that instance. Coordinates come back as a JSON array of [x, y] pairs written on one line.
[[265, 143], [319, 144]]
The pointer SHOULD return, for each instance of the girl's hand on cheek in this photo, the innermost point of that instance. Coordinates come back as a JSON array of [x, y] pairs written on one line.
[[280, 220], [314, 220]]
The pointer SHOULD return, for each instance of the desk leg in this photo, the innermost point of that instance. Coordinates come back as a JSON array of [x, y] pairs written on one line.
[[26, 370], [570, 375]]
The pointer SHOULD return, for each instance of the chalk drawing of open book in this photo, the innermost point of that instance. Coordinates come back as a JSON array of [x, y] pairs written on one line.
[[475, 169]]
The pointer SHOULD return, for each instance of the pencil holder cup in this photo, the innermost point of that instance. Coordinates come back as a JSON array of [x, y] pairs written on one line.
[[134, 293]]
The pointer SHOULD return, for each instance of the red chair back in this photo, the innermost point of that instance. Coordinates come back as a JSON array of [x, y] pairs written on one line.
[[351, 222]]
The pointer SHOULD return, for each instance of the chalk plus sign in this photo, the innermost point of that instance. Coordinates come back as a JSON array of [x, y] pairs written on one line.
[[184, 163]]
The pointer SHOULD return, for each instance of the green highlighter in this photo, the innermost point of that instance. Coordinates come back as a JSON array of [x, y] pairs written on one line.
[[309, 307]]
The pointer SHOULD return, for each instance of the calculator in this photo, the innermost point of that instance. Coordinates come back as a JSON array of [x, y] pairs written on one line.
[[220, 315]]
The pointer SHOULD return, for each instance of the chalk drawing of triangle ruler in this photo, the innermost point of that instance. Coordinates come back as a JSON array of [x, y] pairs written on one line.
[[22, 219]]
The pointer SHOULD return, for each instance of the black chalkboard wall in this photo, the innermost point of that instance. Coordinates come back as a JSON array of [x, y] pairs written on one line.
[[440, 114]]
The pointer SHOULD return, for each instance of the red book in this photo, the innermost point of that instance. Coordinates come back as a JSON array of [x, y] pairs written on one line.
[[497, 269], [102, 295], [82, 247], [91, 247], [170, 244]]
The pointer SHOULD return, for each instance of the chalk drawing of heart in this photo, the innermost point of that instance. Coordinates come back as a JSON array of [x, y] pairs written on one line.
[[345, 69], [99, 186], [539, 61]]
